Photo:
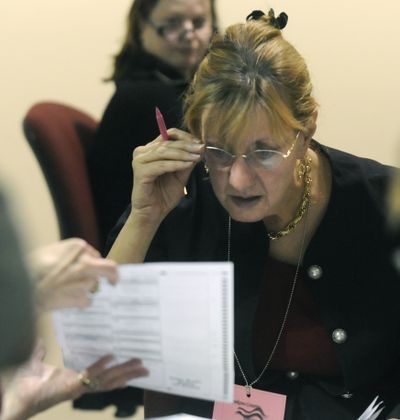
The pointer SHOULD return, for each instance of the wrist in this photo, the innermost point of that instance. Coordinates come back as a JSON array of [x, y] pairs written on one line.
[[134, 239], [13, 409], [144, 219]]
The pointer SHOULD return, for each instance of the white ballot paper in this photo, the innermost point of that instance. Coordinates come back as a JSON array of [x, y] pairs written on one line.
[[176, 317], [373, 410]]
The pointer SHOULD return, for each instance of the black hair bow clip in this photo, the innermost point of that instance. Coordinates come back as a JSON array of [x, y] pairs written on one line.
[[255, 15], [278, 22]]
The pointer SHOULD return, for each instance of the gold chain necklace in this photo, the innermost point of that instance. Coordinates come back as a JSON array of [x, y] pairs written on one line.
[[303, 205]]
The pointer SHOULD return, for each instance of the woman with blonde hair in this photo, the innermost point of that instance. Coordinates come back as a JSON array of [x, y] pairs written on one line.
[[316, 294]]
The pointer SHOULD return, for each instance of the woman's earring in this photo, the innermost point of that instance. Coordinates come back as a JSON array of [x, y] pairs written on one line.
[[301, 170], [206, 168]]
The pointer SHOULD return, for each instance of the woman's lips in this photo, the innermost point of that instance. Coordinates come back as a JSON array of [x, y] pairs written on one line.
[[188, 50], [245, 201]]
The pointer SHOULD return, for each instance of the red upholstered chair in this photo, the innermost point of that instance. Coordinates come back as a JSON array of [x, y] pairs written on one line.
[[60, 135]]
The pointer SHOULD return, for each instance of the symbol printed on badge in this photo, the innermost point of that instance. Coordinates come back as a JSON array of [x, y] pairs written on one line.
[[250, 412]]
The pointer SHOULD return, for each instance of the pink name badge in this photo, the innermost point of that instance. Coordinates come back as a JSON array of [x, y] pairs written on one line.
[[260, 405]]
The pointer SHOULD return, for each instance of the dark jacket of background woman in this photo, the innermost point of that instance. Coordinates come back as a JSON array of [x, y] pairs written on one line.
[[129, 121]]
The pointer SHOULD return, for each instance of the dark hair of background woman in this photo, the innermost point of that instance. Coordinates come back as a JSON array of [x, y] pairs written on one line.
[[139, 12]]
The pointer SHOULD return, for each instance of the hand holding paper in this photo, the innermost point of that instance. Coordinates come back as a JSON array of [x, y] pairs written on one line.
[[176, 318]]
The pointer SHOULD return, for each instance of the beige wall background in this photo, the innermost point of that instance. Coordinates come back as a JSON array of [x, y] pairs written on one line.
[[60, 50]]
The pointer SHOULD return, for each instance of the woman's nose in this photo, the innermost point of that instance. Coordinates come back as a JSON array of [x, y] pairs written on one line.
[[188, 29], [241, 175]]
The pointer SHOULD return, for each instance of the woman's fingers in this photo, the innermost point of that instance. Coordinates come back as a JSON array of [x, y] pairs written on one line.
[[94, 266], [169, 150], [67, 271], [107, 378], [156, 169], [74, 285], [161, 169], [178, 140], [166, 157], [122, 380], [175, 134], [73, 296], [89, 267], [97, 367], [92, 251], [120, 374]]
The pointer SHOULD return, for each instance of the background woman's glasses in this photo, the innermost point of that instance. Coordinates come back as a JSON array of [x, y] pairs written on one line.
[[175, 28]]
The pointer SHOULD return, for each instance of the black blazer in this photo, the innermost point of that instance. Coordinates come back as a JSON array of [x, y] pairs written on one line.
[[349, 274]]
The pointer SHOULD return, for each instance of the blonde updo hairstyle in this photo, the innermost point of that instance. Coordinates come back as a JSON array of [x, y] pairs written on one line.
[[251, 65]]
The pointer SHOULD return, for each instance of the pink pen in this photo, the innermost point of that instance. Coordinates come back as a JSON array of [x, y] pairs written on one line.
[[163, 132], [161, 124]]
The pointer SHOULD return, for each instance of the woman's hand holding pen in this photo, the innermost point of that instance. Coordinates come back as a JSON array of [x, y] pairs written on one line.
[[161, 169]]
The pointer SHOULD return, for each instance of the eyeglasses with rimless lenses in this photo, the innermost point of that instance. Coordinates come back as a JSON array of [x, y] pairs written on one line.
[[261, 158], [174, 28]]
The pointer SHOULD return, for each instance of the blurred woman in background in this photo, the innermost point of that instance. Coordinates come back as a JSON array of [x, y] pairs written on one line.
[[165, 41]]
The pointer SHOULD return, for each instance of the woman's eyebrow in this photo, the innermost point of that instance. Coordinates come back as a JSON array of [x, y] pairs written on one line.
[[264, 144], [210, 141]]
